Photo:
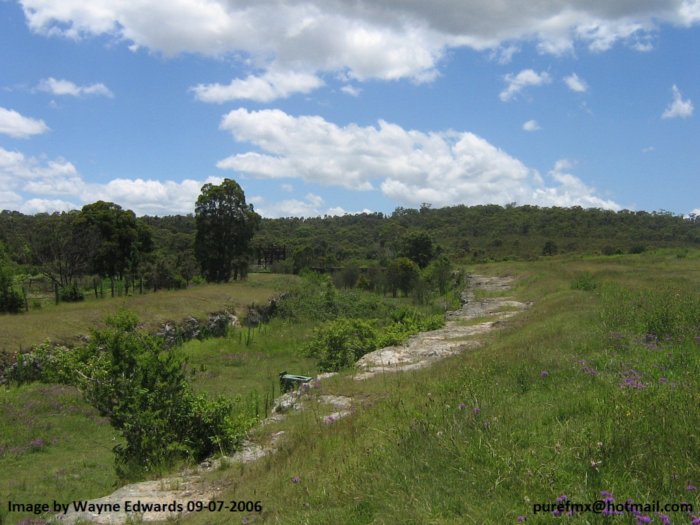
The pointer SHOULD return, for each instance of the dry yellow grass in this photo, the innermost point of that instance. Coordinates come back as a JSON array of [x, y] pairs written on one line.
[[66, 322]]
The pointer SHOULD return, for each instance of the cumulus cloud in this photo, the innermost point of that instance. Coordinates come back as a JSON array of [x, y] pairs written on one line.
[[385, 39], [526, 78], [531, 125], [16, 125], [678, 108], [68, 88], [30, 184], [311, 206], [574, 83], [407, 166], [272, 85]]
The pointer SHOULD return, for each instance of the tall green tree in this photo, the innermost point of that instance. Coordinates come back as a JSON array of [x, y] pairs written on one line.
[[418, 246], [225, 226], [60, 249], [120, 240]]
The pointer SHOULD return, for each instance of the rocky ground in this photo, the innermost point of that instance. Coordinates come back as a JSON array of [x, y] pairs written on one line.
[[461, 332]]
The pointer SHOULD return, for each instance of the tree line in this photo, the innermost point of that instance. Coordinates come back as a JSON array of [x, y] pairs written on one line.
[[104, 246]]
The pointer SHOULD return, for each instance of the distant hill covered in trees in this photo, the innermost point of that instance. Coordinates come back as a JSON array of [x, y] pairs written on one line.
[[102, 243], [464, 233]]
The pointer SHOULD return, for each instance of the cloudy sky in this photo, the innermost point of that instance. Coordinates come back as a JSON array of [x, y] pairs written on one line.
[[332, 106]]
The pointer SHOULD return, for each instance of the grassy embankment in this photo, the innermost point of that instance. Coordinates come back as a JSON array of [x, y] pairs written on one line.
[[571, 398], [53, 445]]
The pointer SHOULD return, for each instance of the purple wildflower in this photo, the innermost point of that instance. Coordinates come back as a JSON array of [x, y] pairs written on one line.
[[544, 374], [632, 379], [329, 419], [642, 520], [695, 521], [665, 520], [691, 487], [556, 512], [37, 443], [462, 406], [296, 479], [562, 498], [476, 411], [521, 519]]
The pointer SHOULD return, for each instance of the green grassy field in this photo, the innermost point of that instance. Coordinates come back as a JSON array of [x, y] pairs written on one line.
[[570, 400]]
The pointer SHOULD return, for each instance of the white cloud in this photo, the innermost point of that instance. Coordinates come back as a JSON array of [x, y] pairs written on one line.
[[387, 39], [351, 90], [28, 181], [531, 125], [408, 166], [574, 83], [570, 191], [66, 87], [678, 108], [270, 86], [504, 54], [311, 206], [19, 126], [526, 78], [46, 206]]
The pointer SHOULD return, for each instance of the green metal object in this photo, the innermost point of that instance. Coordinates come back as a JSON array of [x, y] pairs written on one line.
[[291, 381]]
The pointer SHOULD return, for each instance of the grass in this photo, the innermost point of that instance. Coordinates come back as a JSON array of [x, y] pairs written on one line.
[[52, 443], [552, 405], [569, 398], [66, 321]]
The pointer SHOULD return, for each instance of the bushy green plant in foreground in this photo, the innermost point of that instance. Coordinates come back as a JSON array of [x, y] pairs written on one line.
[[145, 393]]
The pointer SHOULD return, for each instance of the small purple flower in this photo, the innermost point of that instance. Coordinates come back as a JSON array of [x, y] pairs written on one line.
[[296, 479], [37, 443], [691, 488], [665, 520], [462, 406], [562, 498], [329, 419], [544, 374], [556, 512], [643, 520], [476, 411], [695, 521], [521, 519]]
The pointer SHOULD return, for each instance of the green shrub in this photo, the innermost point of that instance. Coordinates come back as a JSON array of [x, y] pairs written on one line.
[[71, 294], [584, 281], [338, 344], [144, 391]]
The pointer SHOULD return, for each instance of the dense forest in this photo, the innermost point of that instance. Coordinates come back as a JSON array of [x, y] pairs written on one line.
[[103, 243]]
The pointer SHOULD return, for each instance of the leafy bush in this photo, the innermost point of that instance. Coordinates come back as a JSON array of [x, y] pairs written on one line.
[[71, 294], [145, 393], [338, 344], [10, 299]]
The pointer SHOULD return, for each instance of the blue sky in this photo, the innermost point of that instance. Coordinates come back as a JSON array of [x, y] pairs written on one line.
[[332, 107]]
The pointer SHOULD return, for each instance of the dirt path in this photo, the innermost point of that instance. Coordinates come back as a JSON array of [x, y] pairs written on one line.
[[461, 332]]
